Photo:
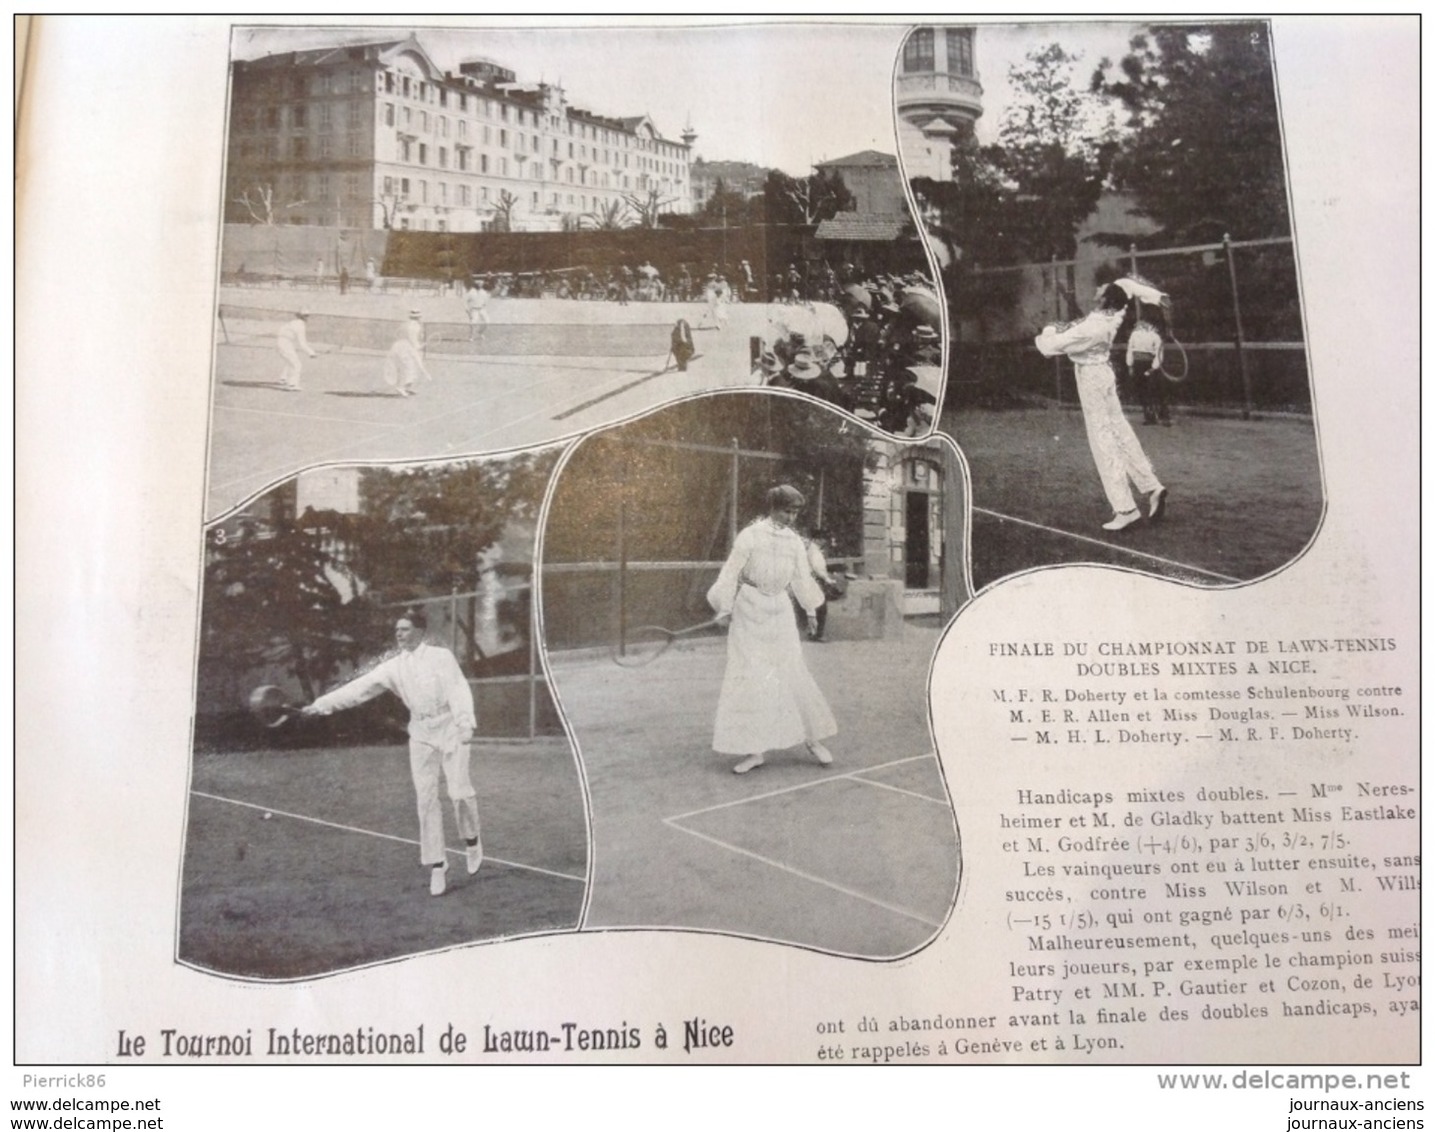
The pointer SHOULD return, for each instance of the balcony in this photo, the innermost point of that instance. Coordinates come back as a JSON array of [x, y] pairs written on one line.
[[925, 95]]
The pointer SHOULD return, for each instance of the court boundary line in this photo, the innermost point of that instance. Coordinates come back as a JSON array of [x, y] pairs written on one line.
[[375, 833], [1107, 545], [387, 430], [799, 873], [854, 775]]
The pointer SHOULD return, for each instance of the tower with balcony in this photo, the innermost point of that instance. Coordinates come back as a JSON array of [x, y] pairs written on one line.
[[939, 97]]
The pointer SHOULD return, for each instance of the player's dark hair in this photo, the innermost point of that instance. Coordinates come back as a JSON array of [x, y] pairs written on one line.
[[1113, 298], [416, 617]]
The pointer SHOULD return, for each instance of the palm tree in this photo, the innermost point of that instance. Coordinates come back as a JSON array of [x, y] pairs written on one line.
[[608, 217]]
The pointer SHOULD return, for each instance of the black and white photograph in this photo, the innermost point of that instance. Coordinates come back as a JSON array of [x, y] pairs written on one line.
[[741, 598], [439, 241], [757, 541], [1129, 377], [373, 729]]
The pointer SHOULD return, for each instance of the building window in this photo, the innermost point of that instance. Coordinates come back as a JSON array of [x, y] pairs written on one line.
[[299, 148], [356, 144], [321, 186], [503, 137], [326, 116], [405, 150], [424, 120], [503, 167], [462, 160], [462, 130], [442, 157], [487, 135], [271, 117], [405, 86], [920, 51], [388, 186], [326, 146], [464, 196], [442, 97], [388, 113], [404, 188], [408, 117], [423, 154], [423, 192], [483, 163], [959, 51]]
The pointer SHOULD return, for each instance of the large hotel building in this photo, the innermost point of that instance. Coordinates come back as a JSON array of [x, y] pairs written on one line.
[[377, 135]]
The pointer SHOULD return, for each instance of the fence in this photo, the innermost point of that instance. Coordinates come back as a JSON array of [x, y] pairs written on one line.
[[639, 529], [239, 322], [295, 252], [1236, 328], [508, 705]]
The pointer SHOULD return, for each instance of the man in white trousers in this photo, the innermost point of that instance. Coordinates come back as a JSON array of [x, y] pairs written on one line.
[[1120, 459], [441, 724], [292, 339]]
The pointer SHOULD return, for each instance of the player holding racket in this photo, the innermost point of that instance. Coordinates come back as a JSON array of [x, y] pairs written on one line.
[[1120, 459], [441, 723], [769, 700]]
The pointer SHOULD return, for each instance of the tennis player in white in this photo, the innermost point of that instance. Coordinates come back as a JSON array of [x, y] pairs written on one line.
[[441, 724]]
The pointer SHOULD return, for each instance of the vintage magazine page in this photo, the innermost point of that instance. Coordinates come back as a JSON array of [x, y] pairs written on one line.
[[732, 543]]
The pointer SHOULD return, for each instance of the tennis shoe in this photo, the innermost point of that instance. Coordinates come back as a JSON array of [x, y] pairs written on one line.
[[437, 880], [752, 762], [820, 753], [473, 857], [1122, 521]]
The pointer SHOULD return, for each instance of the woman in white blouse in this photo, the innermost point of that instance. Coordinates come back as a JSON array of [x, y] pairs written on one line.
[[769, 700], [1120, 459]]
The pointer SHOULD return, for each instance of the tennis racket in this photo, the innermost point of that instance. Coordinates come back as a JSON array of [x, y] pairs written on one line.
[[270, 707], [1177, 376], [646, 643]]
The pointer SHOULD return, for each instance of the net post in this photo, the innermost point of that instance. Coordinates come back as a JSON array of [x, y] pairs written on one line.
[[1240, 330]]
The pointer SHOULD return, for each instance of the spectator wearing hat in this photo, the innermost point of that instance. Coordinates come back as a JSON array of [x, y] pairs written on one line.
[[292, 339], [769, 700], [805, 374]]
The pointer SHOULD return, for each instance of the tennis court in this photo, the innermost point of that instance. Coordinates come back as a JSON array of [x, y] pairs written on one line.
[[545, 369], [1245, 495], [859, 858], [305, 862]]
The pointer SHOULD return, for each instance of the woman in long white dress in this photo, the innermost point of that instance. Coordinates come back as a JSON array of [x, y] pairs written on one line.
[[769, 700]]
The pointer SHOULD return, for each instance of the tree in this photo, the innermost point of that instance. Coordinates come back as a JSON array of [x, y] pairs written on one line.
[[424, 531], [805, 200], [278, 597], [726, 207], [1023, 199], [258, 200], [503, 209], [1204, 154], [609, 216], [648, 209]]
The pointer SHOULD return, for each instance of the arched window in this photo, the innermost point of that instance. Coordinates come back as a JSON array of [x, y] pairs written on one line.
[[920, 53]]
